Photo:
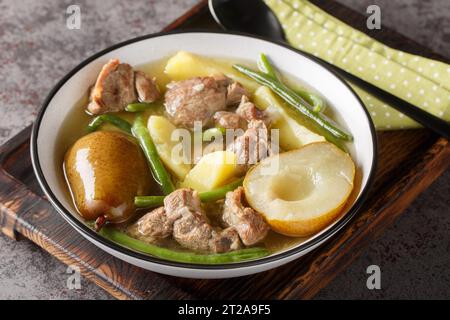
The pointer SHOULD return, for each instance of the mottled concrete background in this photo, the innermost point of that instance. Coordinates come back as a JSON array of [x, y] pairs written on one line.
[[36, 50]]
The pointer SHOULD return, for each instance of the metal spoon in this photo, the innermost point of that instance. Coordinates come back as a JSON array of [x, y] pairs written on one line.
[[255, 17]]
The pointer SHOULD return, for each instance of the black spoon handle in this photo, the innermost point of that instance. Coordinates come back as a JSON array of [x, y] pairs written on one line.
[[426, 119]]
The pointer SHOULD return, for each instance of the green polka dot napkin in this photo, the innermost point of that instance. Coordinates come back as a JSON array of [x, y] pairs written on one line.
[[421, 81]]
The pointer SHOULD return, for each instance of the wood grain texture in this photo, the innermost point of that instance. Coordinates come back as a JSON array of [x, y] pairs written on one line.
[[409, 161]]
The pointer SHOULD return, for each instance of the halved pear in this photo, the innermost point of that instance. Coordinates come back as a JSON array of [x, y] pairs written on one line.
[[302, 191]]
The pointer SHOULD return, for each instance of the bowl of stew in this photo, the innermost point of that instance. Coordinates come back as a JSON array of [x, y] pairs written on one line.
[[204, 154]]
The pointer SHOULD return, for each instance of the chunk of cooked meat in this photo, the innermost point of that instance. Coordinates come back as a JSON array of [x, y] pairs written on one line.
[[222, 80], [183, 217], [196, 99], [155, 225], [235, 92], [249, 224], [181, 200], [199, 98], [225, 240], [114, 88], [229, 120], [248, 111], [253, 145], [192, 231], [146, 87]]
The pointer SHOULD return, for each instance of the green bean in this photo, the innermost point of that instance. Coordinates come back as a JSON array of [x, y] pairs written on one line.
[[148, 201], [298, 103], [318, 104], [141, 133], [139, 106], [112, 119], [219, 193], [95, 123], [314, 100], [265, 66], [207, 196], [125, 240], [213, 132]]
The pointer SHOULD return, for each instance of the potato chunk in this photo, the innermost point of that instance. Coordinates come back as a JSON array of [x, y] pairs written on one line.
[[185, 65], [213, 170], [293, 134], [161, 130]]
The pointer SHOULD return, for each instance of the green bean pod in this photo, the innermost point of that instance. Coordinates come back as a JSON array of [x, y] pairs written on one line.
[[317, 103], [219, 193], [265, 66], [160, 173], [139, 106], [148, 202], [320, 121], [98, 121]]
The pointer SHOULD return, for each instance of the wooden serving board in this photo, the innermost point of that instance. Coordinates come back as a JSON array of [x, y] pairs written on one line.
[[409, 161]]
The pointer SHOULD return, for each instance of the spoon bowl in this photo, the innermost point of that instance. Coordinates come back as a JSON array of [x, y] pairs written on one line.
[[252, 16]]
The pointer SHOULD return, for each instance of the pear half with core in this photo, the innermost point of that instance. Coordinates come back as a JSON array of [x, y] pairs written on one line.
[[302, 191]]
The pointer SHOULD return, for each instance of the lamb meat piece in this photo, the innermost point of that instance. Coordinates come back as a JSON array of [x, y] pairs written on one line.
[[248, 111], [252, 146], [235, 93], [183, 217], [159, 222], [199, 98], [146, 87], [229, 120], [114, 88], [181, 200], [155, 225], [191, 228], [193, 232], [225, 240], [249, 224], [222, 80], [196, 99]]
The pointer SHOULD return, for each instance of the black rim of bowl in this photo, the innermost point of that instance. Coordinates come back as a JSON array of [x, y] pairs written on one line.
[[83, 228]]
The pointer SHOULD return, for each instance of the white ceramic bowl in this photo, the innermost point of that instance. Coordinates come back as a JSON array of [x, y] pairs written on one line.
[[349, 109]]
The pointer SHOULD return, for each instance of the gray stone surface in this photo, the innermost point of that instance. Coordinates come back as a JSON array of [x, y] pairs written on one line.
[[36, 50]]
